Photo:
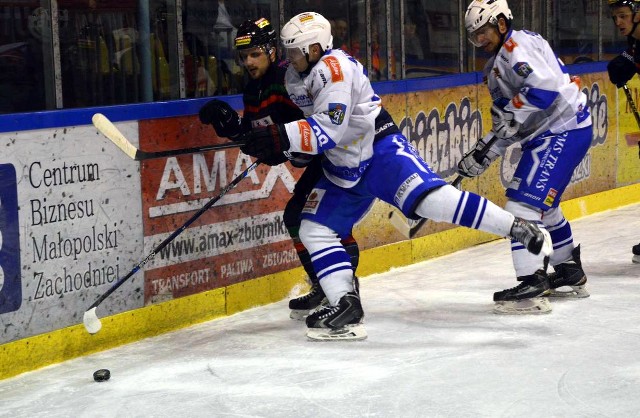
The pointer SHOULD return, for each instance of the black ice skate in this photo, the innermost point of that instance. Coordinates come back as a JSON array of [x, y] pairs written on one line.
[[303, 305], [534, 239], [636, 254], [341, 322], [569, 274], [526, 298]]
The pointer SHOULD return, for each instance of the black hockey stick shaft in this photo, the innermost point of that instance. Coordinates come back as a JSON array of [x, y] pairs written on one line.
[[148, 155], [175, 233], [455, 183], [632, 104], [634, 109]]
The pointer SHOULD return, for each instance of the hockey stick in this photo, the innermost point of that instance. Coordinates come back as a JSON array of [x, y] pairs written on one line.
[[632, 138], [409, 228], [90, 318], [108, 129]]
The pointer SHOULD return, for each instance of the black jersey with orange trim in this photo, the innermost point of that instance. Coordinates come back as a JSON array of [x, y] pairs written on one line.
[[266, 100]]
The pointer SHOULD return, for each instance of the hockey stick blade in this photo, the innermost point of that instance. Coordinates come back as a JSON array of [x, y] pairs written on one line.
[[406, 227], [90, 318], [108, 129], [91, 322]]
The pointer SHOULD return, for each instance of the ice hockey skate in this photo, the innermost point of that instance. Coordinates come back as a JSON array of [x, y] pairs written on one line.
[[305, 304], [569, 280], [534, 239], [529, 297], [341, 322], [636, 254]]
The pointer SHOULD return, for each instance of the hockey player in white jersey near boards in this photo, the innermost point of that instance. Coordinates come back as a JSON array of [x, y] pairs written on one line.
[[533, 98], [365, 156]]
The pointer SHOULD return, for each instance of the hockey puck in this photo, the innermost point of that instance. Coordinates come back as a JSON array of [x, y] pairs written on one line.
[[101, 375]]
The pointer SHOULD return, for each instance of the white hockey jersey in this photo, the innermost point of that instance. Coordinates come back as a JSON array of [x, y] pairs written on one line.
[[539, 91], [340, 107]]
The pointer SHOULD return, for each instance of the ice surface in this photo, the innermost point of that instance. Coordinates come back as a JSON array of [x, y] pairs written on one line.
[[434, 350]]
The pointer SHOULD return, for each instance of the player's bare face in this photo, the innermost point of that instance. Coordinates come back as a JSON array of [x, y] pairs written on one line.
[[255, 60], [623, 19]]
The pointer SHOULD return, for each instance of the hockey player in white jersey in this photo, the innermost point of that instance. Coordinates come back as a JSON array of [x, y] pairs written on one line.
[[365, 156], [536, 99]]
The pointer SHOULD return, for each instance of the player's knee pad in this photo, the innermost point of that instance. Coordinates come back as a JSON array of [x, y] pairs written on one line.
[[315, 236], [439, 204], [524, 211], [553, 216]]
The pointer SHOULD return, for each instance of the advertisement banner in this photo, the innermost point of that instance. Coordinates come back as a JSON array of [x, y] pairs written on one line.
[[69, 227], [240, 238]]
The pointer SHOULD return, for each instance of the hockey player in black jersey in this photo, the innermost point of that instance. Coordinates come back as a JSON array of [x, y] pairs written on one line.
[[626, 18], [266, 102]]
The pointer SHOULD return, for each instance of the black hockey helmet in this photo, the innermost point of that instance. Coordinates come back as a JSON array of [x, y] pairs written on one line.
[[256, 33], [634, 5]]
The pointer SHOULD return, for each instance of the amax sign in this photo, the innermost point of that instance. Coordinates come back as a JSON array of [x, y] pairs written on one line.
[[242, 236]]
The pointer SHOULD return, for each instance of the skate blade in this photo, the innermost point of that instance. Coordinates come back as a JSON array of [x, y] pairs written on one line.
[[532, 306], [575, 292], [355, 332], [636, 259]]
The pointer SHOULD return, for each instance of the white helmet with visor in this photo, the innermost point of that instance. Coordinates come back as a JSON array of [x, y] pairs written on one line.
[[304, 30], [483, 12]]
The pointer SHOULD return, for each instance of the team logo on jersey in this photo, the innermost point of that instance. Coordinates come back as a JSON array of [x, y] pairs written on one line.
[[305, 136], [334, 67], [336, 113], [523, 69], [510, 45]]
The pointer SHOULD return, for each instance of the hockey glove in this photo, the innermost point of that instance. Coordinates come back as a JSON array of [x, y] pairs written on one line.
[[504, 123], [476, 161], [621, 69], [267, 143], [222, 117]]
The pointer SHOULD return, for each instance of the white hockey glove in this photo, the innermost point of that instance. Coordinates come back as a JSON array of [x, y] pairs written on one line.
[[476, 161], [504, 124]]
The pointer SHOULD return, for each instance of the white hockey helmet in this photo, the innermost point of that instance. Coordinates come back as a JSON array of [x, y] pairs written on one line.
[[306, 29], [481, 12]]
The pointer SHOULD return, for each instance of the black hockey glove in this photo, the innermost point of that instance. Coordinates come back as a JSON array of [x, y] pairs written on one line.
[[222, 117], [267, 143], [621, 69], [476, 161]]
